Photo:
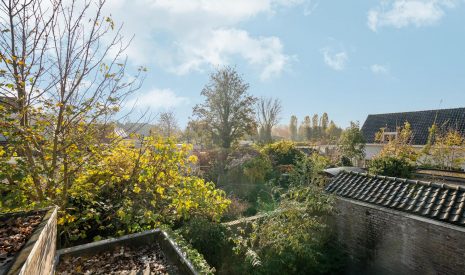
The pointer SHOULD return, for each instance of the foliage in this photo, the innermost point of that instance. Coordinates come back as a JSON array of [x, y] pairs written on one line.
[[352, 143], [236, 209], [293, 128], [447, 151], [192, 254], [399, 147], [197, 133], [282, 153], [59, 103], [305, 129], [345, 161], [296, 238], [333, 132], [391, 166], [228, 109], [208, 237], [257, 169], [137, 189], [308, 171]]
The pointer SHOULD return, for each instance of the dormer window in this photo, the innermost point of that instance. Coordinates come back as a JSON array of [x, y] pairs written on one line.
[[388, 136]]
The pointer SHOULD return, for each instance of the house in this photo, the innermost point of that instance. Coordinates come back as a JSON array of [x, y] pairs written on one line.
[[399, 226], [420, 122]]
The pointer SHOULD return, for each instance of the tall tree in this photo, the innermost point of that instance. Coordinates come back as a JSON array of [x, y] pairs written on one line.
[[305, 130], [63, 67], [268, 111], [228, 108], [333, 132], [324, 121], [293, 128], [352, 143], [315, 126]]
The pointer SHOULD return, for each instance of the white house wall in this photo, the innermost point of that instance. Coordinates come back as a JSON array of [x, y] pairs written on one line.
[[371, 150]]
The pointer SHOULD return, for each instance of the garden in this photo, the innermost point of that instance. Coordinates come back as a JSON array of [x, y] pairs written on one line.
[[89, 186]]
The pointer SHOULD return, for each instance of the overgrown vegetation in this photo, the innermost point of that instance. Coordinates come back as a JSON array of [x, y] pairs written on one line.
[[391, 166], [132, 190]]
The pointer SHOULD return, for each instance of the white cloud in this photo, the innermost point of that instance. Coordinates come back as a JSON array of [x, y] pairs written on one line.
[[185, 35], [310, 7], [402, 13], [335, 60], [379, 69], [157, 99], [223, 45]]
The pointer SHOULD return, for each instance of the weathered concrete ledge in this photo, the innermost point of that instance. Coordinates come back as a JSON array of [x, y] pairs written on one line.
[[168, 246]]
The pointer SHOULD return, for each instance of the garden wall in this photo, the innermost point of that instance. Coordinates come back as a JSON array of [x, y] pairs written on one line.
[[384, 241]]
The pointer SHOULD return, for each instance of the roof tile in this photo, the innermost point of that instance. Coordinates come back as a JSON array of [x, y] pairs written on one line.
[[431, 200], [420, 122]]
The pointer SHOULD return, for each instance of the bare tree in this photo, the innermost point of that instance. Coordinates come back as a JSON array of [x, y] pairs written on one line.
[[268, 111], [167, 124], [228, 108], [62, 64]]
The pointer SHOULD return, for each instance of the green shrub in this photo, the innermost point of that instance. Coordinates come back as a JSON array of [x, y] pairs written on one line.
[[192, 254], [132, 190], [258, 169], [295, 239], [345, 161], [209, 238], [391, 166], [283, 153]]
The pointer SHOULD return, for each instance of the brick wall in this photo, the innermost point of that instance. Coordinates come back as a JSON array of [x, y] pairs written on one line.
[[385, 241]]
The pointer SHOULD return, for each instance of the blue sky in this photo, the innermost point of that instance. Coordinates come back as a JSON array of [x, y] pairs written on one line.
[[346, 59]]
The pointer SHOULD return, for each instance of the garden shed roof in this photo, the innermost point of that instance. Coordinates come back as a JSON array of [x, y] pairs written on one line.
[[442, 202], [420, 122]]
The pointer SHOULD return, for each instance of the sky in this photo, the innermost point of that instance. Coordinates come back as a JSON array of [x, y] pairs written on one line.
[[346, 58]]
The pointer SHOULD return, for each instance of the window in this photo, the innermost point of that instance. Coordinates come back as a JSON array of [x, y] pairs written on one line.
[[388, 136]]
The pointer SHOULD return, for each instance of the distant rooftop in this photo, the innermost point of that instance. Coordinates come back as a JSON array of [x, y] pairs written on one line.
[[442, 202], [420, 122]]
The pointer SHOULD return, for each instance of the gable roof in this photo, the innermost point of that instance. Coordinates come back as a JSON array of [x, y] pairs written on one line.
[[420, 122], [442, 202]]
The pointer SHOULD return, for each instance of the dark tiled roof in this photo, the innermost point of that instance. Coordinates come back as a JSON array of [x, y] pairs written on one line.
[[440, 202], [420, 122]]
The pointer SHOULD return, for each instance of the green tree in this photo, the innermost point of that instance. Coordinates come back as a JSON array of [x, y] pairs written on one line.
[[305, 129], [293, 128], [315, 127], [352, 143], [228, 109], [324, 121], [333, 132], [197, 133], [400, 146], [448, 150]]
